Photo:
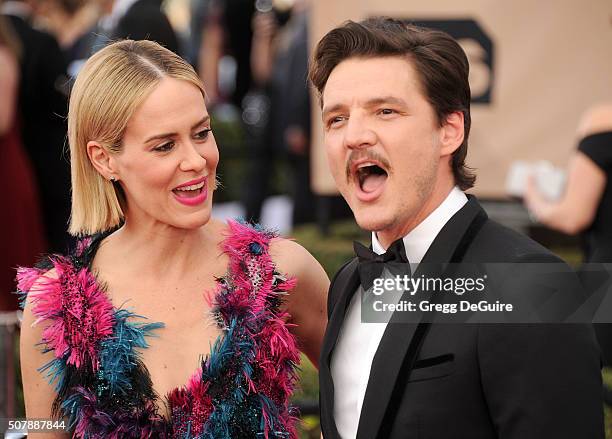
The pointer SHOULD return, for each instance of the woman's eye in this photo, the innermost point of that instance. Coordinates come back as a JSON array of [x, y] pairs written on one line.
[[165, 147], [202, 135]]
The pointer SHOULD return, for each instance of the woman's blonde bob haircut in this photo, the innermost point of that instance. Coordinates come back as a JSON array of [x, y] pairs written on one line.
[[107, 91]]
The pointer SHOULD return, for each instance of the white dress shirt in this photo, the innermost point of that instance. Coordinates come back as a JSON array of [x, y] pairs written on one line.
[[357, 342]]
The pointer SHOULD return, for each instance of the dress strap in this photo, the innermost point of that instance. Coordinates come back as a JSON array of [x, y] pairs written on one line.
[[76, 312], [257, 347]]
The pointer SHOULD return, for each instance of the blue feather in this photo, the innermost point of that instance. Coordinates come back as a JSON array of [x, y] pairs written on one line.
[[55, 370], [117, 353]]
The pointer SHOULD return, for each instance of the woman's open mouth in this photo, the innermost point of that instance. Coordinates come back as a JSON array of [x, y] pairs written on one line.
[[191, 193]]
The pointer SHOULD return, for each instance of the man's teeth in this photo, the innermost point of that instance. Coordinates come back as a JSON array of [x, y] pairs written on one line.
[[193, 187], [366, 164]]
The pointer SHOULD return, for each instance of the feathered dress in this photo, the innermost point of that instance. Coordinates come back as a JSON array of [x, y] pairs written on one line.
[[104, 390]]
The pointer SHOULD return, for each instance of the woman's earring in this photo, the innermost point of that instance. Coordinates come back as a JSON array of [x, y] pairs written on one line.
[[113, 180]]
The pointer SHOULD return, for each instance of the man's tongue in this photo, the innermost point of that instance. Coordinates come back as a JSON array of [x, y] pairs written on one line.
[[373, 182]]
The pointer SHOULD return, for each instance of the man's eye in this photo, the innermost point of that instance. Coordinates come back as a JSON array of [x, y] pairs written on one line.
[[165, 147], [387, 111], [335, 120], [203, 135]]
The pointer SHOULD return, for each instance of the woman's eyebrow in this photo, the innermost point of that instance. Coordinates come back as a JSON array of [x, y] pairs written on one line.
[[166, 135]]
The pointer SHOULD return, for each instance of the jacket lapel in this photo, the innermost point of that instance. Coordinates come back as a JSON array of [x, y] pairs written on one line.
[[344, 287], [400, 344]]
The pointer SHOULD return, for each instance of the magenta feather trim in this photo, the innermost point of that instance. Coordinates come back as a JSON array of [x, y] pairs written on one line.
[[250, 264], [255, 282], [77, 312], [191, 407]]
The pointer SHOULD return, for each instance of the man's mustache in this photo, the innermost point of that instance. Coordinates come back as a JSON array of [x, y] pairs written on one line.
[[368, 155]]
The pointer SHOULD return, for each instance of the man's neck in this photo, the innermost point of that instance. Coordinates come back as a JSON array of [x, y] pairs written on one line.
[[439, 194], [418, 240]]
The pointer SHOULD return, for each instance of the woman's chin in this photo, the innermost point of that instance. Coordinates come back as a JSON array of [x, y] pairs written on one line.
[[194, 220]]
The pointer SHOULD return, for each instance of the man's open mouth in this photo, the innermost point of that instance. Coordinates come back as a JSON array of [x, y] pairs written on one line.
[[370, 176]]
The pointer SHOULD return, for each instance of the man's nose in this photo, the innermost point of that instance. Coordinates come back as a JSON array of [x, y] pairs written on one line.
[[358, 134]]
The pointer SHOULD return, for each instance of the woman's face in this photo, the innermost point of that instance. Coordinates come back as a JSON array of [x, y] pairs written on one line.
[[169, 157]]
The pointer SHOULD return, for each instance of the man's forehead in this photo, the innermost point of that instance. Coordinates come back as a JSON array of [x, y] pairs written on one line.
[[364, 80]]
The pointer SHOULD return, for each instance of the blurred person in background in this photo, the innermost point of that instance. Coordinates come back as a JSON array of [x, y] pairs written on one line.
[[225, 29], [130, 19], [198, 14], [74, 25], [293, 109], [586, 204], [279, 60], [21, 230], [143, 20], [42, 109]]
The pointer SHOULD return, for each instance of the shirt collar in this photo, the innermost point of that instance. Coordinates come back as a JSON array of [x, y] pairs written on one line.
[[418, 240]]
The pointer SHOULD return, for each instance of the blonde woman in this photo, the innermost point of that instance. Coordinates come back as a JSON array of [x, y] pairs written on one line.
[[163, 322]]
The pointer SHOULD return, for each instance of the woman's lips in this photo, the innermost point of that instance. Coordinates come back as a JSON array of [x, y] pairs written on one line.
[[192, 193], [194, 182]]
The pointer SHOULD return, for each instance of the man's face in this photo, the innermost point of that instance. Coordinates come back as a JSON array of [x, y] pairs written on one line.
[[383, 141]]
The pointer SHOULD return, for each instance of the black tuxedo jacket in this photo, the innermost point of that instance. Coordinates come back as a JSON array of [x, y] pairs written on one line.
[[478, 381]]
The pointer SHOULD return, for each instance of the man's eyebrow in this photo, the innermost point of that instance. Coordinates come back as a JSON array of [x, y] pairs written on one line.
[[385, 100], [393, 100], [166, 135], [332, 109]]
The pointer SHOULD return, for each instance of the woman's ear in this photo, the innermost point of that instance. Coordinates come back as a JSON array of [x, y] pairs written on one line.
[[452, 133], [102, 160]]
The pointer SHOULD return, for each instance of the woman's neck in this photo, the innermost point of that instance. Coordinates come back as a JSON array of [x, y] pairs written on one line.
[[157, 249]]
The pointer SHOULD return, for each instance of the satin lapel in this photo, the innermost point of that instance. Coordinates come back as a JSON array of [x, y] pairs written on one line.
[[401, 342], [345, 286]]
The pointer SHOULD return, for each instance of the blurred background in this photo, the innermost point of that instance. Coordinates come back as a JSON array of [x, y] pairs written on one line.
[[536, 69]]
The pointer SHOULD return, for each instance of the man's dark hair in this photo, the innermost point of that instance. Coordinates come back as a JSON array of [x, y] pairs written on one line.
[[440, 63]]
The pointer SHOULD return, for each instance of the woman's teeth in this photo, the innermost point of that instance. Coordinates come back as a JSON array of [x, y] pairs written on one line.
[[193, 187]]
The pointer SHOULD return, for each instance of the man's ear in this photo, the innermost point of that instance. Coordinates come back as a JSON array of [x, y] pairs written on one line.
[[101, 159], [452, 133]]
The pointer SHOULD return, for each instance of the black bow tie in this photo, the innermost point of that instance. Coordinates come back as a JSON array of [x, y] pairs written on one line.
[[371, 265]]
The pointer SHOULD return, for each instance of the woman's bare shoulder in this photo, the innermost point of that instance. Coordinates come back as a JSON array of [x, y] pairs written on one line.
[[596, 119], [31, 287], [293, 259]]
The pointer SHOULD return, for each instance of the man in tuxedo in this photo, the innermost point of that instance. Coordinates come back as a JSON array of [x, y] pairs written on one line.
[[396, 113]]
